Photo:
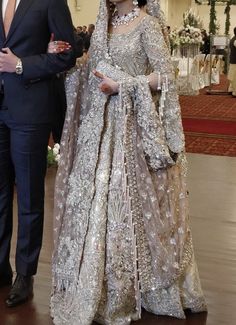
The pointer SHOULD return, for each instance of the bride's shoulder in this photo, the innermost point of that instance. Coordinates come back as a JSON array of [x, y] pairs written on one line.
[[149, 22]]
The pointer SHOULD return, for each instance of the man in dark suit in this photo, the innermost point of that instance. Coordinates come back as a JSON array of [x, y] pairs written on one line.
[[26, 112]]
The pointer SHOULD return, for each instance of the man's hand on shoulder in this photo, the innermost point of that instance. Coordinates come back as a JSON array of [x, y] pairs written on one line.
[[8, 61]]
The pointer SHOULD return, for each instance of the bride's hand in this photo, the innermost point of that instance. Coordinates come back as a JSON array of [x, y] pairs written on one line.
[[57, 46], [107, 85]]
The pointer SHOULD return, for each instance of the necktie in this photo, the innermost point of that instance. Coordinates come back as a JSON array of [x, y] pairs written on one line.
[[9, 14]]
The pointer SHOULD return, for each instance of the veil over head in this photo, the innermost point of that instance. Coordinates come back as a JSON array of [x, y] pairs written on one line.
[[153, 8]]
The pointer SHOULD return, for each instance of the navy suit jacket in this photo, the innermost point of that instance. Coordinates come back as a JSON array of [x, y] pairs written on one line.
[[29, 97]]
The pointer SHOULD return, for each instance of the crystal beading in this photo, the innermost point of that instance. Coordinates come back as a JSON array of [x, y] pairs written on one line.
[[125, 19]]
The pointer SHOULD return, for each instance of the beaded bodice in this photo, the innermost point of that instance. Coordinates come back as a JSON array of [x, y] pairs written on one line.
[[127, 51]]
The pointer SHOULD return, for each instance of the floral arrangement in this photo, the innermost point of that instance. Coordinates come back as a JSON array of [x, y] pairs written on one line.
[[190, 18], [189, 33], [53, 157], [185, 35]]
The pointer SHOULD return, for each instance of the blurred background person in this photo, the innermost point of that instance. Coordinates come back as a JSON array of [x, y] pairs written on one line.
[[84, 29], [80, 32], [205, 47], [87, 39], [232, 65], [79, 44]]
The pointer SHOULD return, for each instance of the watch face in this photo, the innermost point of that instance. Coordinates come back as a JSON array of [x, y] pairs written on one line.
[[19, 68]]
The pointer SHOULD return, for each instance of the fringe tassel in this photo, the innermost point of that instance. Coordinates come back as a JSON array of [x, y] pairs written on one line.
[[164, 87]]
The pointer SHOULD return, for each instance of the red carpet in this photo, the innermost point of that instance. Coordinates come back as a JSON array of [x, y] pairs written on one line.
[[207, 144], [209, 107], [210, 123], [210, 126]]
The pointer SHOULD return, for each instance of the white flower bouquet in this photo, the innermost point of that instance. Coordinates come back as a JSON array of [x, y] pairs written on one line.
[[53, 157], [185, 36], [189, 33], [190, 18]]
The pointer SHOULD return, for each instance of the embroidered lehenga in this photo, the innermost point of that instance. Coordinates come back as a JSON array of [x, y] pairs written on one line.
[[121, 211]]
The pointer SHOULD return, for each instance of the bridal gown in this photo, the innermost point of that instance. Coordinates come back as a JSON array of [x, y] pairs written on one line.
[[124, 240]]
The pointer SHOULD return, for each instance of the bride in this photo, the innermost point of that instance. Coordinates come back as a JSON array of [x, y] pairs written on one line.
[[122, 236]]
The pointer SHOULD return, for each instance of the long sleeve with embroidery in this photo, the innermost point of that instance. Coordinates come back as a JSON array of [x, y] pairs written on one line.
[[159, 58]]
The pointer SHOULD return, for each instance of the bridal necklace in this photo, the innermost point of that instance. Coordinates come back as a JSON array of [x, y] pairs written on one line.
[[125, 19]]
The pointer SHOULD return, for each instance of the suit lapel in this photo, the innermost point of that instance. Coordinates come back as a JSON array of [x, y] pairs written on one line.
[[19, 14], [2, 33]]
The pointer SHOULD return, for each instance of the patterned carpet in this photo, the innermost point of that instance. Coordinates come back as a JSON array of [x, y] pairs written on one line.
[[217, 127], [210, 124], [209, 107], [210, 144]]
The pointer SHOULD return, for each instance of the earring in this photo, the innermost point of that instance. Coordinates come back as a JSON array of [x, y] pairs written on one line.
[[135, 3]]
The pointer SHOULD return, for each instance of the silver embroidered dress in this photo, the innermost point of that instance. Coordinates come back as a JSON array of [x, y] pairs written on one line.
[[121, 212]]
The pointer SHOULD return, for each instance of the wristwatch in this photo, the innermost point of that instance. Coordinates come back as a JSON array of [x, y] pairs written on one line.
[[19, 67]]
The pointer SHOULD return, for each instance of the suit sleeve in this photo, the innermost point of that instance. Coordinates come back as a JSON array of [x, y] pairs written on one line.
[[47, 64]]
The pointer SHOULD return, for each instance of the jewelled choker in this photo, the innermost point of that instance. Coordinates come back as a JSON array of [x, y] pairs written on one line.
[[126, 18]]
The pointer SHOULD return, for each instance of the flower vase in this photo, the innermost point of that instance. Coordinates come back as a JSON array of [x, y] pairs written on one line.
[[189, 50]]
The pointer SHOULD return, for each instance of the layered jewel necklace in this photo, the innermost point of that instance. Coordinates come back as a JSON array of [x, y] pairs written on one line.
[[126, 18]]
